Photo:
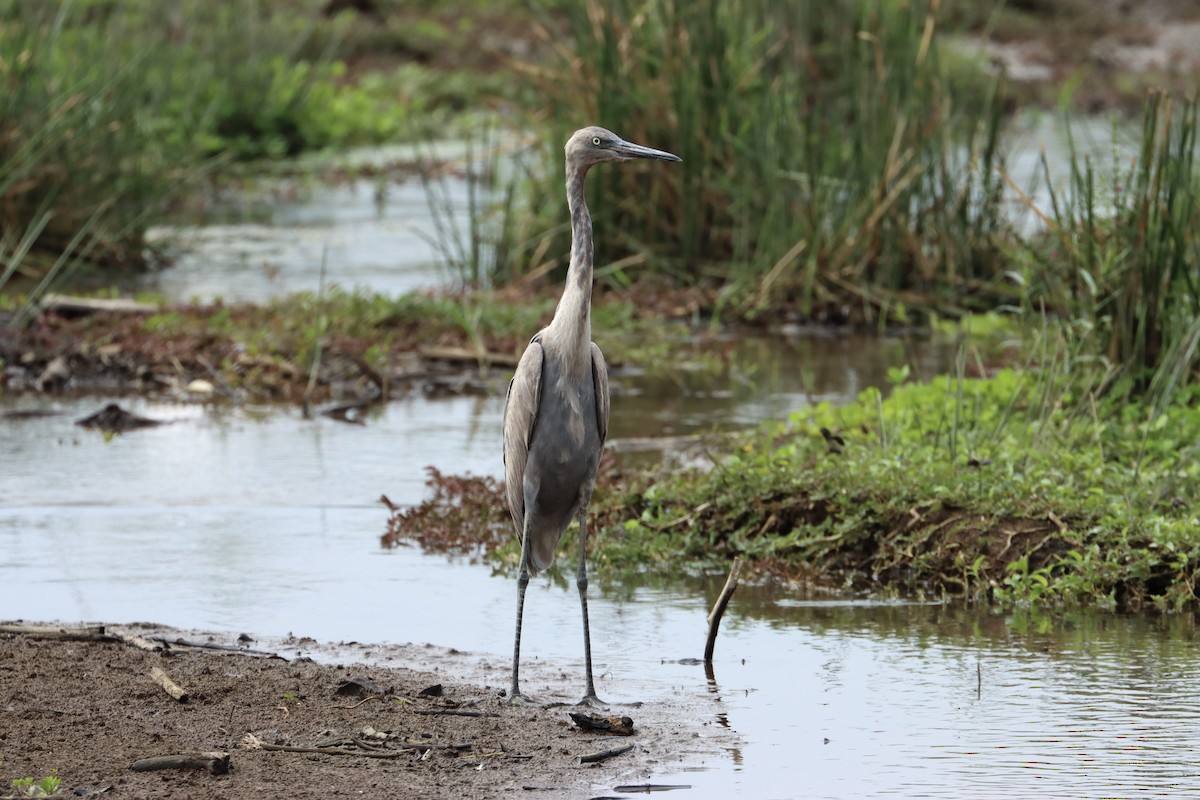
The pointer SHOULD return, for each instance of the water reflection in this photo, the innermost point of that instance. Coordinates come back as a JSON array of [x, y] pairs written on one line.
[[367, 235], [764, 378], [921, 701]]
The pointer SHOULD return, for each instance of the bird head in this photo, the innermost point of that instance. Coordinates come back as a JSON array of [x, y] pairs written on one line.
[[594, 144]]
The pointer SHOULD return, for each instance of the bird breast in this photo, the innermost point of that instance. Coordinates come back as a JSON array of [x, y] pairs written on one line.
[[571, 401], [566, 436]]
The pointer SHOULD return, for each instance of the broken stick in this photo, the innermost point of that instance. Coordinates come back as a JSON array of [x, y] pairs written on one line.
[[134, 640], [169, 686], [216, 763], [714, 618], [86, 633], [604, 755]]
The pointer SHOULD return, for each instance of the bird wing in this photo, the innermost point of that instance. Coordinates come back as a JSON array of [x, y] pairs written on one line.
[[600, 381], [520, 415]]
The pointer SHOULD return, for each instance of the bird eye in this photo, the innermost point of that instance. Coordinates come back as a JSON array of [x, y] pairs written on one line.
[[596, 141]]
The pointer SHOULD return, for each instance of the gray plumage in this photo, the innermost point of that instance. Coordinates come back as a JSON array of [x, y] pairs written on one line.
[[556, 414]]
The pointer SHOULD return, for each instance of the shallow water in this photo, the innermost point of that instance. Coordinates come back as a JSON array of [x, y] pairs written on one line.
[[243, 520], [1111, 150], [364, 235]]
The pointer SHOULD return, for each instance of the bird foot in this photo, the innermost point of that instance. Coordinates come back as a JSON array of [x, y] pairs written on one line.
[[518, 699], [591, 701]]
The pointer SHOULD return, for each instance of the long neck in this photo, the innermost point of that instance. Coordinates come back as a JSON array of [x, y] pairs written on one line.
[[573, 318]]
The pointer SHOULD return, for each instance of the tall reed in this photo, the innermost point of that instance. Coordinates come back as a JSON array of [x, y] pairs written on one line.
[[826, 155], [1125, 260], [78, 150]]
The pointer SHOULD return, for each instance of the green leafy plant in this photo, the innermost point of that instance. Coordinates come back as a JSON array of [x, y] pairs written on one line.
[[49, 786]]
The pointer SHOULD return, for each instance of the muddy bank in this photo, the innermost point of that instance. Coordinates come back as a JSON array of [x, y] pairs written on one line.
[[90, 709], [115, 354]]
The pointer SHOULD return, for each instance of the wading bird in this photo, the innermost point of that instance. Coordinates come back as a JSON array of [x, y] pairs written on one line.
[[556, 414]]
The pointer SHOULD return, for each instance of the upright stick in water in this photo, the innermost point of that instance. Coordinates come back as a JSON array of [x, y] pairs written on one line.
[[556, 415]]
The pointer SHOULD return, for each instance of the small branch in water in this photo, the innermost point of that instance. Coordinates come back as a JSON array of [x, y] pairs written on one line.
[[466, 355], [376, 377], [647, 788], [322, 325], [714, 618]]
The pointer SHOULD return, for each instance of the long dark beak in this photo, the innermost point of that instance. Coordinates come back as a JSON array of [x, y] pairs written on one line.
[[631, 150]]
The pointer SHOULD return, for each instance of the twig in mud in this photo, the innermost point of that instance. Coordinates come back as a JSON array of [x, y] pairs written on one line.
[[511, 754], [169, 686], [621, 726], [215, 763], [604, 755], [714, 618], [359, 703], [447, 712], [140, 642], [90, 305], [229, 726]]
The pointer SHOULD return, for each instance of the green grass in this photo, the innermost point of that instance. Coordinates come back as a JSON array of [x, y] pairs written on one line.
[[112, 111], [1023, 487], [83, 158]]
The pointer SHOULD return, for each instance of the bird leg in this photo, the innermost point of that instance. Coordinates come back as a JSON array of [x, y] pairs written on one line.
[[589, 697], [515, 698]]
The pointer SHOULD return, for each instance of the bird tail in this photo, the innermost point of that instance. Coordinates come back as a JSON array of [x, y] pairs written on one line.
[[542, 545]]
